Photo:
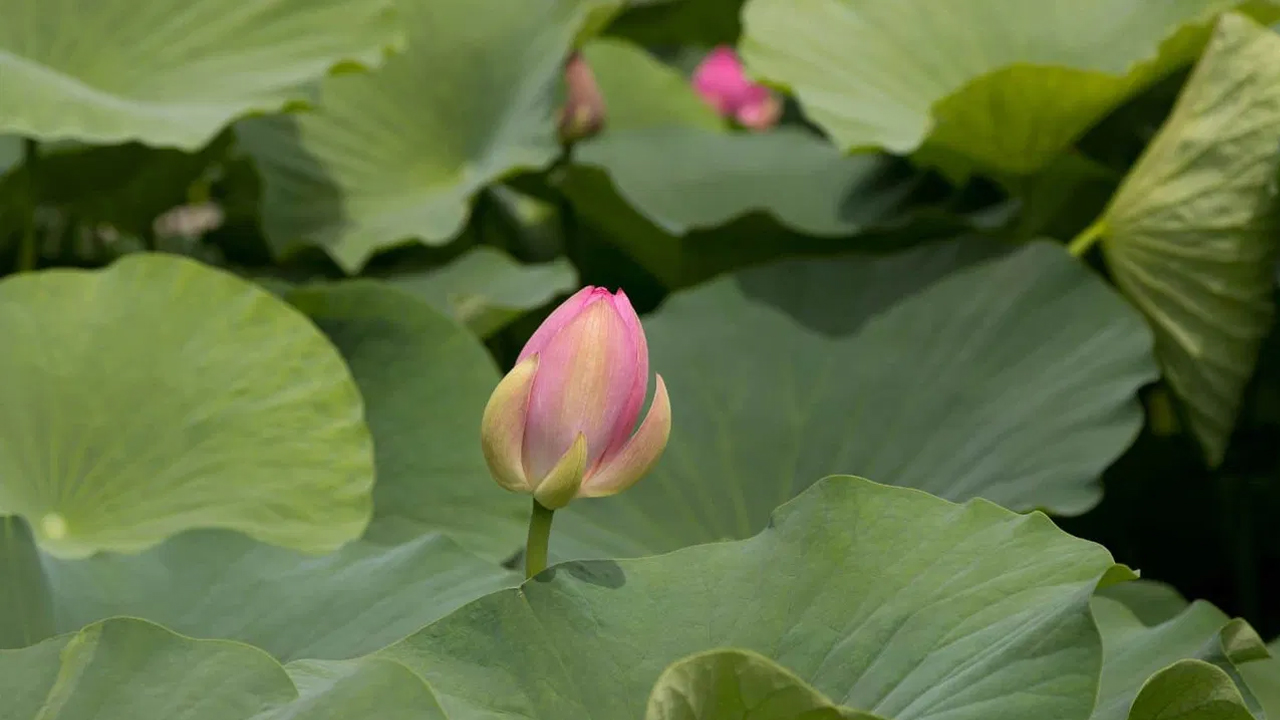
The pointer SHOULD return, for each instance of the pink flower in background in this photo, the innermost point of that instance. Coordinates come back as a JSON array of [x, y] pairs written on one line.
[[560, 424], [583, 114], [722, 81]]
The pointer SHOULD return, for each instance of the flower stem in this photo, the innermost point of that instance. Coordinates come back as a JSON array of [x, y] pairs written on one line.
[[535, 554], [1085, 240]]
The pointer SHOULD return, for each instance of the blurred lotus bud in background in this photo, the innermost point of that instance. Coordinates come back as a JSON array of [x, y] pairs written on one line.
[[722, 81], [583, 114]]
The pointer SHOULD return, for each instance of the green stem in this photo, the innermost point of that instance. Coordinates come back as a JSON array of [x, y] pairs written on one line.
[[27, 251], [535, 553], [1085, 240]]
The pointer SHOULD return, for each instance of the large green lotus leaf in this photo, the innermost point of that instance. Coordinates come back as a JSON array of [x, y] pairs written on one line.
[[640, 91], [159, 395], [396, 155], [884, 599], [965, 369], [217, 584], [1190, 234], [686, 178], [425, 381], [1003, 85], [486, 289], [1190, 690], [172, 72], [738, 685], [1135, 652]]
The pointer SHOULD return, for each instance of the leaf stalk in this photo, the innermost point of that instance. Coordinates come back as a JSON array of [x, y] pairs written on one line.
[[1081, 243], [535, 554]]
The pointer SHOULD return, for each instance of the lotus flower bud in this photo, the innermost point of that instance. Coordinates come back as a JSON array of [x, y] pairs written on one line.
[[560, 424], [722, 81], [583, 113]]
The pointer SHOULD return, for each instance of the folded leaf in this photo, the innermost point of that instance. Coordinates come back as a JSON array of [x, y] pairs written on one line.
[[1190, 690], [1191, 235], [738, 685], [1135, 652]]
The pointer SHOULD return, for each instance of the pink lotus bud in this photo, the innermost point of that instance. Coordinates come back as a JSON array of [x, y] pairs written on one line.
[[722, 81], [583, 113], [559, 425]]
